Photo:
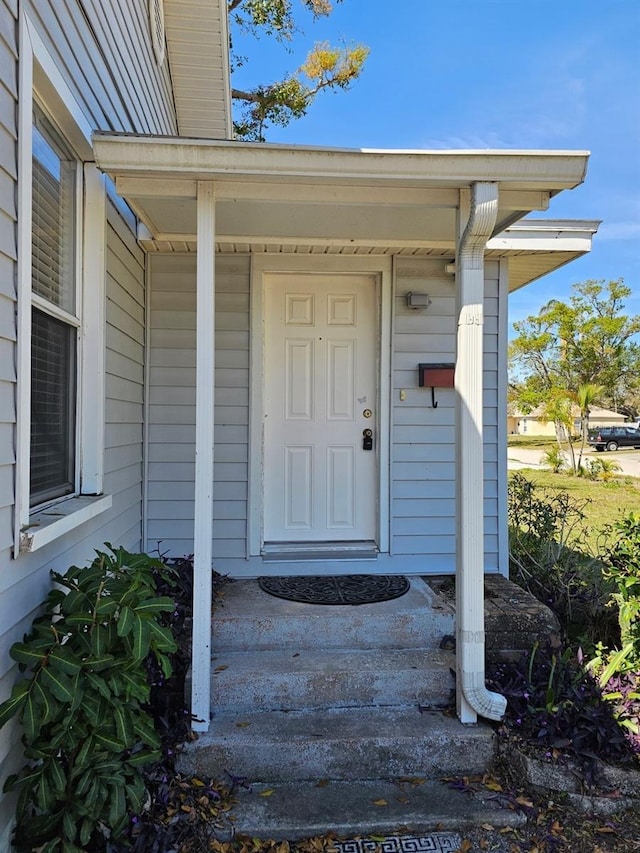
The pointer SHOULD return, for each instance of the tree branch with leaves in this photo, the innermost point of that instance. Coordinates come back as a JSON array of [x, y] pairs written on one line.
[[326, 68]]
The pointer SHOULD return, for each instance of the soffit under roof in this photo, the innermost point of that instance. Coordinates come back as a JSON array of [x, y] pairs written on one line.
[[198, 55]]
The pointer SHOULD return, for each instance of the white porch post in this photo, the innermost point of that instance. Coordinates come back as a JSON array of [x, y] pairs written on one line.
[[203, 510], [477, 219]]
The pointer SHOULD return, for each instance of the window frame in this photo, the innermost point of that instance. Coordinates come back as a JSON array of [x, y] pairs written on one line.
[[41, 81], [70, 319]]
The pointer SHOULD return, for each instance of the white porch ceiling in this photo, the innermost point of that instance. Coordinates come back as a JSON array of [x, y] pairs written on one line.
[[279, 199]]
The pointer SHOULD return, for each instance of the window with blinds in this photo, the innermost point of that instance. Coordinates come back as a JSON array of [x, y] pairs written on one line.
[[54, 323]]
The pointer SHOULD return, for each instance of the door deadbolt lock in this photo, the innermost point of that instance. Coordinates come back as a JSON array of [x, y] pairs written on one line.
[[367, 439]]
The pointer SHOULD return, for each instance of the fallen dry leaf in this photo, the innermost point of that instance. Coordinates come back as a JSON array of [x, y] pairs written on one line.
[[322, 783], [243, 724], [380, 802], [266, 793], [523, 801], [465, 847], [222, 667], [493, 785]]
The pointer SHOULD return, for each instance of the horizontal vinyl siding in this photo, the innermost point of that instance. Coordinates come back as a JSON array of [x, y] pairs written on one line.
[[25, 582], [103, 49], [172, 381], [10, 746], [124, 405], [423, 447], [117, 86]]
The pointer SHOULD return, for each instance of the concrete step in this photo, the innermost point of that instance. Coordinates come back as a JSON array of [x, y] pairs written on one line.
[[294, 811], [335, 678], [339, 744], [247, 618]]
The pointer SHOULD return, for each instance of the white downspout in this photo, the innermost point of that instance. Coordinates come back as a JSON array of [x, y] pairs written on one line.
[[203, 507], [473, 698]]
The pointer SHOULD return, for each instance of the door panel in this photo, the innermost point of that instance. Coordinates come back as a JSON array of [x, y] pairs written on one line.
[[341, 481], [298, 379], [320, 368], [298, 481]]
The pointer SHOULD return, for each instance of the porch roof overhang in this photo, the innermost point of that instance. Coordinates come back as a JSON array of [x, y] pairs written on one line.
[[334, 200]]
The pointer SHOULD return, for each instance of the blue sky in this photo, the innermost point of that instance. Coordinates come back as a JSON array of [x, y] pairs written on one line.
[[542, 74]]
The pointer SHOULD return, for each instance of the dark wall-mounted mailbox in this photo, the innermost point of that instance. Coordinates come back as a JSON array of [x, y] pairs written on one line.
[[436, 376]]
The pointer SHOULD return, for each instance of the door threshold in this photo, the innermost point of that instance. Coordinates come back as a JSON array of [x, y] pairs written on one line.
[[283, 552]]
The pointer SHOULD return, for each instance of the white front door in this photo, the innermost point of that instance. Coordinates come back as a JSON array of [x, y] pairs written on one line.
[[320, 483]]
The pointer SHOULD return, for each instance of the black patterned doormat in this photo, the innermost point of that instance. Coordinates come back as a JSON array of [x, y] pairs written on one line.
[[338, 589], [439, 842]]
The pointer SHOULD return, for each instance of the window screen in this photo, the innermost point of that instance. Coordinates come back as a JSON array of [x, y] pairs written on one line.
[[54, 331], [52, 407]]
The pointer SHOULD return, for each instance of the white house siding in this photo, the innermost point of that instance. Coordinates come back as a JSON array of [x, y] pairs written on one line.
[[24, 582], [423, 438], [8, 218], [423, 451], [109, 100], [119, 87], [171, 419], [8, 235]]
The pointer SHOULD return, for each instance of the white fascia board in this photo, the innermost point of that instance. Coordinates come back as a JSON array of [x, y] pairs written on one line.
[[546, 236], [548, 225], [226, 66], [119, 154]]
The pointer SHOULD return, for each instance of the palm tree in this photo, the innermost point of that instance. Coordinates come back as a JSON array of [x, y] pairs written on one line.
[[557, 408], [586, 396]]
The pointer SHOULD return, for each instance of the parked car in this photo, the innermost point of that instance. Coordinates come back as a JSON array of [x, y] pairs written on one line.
[[611, 438]]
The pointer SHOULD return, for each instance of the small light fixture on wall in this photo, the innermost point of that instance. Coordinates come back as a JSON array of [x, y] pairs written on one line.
[[417, 301]]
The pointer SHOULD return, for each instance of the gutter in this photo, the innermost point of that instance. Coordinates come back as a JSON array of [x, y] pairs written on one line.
[[473, 699]]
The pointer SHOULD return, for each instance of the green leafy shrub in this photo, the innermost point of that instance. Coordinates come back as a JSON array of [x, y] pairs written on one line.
[[82, 703], [618, 669], [548, 557], [623, 570]]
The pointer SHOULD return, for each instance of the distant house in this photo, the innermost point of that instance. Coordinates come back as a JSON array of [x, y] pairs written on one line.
[[534, 422], [197, 333]]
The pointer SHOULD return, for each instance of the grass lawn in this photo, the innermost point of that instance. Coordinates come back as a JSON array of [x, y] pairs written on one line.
[[608, 501], [538, 441]]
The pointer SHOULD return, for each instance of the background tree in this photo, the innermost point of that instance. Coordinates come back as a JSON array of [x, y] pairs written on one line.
[[588, 340], [281, 101], [577, 354]]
